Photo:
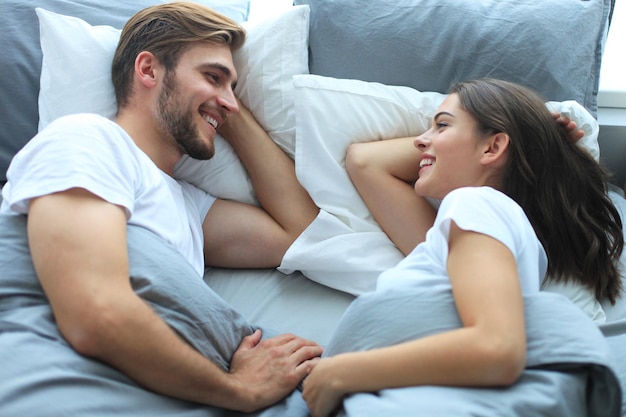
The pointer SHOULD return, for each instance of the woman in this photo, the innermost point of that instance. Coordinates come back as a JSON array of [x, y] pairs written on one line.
[[384, 174], [512, 184]]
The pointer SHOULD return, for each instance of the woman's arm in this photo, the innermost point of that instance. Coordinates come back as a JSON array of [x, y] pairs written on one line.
[[489, 350], [383, 173]]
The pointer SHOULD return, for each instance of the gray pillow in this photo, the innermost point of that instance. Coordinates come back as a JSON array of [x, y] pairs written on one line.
[[20, 60], [553, 46]]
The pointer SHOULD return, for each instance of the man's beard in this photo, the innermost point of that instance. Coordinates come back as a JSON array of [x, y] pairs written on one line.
[[179, 123]]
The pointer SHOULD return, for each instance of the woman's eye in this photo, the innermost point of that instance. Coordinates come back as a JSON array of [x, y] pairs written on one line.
[[441, 125]]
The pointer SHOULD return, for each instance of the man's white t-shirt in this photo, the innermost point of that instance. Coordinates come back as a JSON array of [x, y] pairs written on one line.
[[92, 152], [479, 209]]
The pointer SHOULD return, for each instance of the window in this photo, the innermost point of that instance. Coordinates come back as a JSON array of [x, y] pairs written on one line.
[[612, 94]]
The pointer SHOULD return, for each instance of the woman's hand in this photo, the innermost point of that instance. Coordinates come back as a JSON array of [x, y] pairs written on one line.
[[570, 126], [322, 391]]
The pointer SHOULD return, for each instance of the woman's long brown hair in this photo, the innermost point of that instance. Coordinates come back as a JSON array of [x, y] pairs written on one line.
[[561, 188]]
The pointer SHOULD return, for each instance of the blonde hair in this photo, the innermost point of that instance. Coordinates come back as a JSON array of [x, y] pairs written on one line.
[[167, 30]]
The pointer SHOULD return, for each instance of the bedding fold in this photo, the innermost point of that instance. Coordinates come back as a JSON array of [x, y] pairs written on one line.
[[40, 371], [569, 369], [569, 365]]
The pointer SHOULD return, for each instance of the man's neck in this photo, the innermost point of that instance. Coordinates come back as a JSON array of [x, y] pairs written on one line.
[[149, 139]]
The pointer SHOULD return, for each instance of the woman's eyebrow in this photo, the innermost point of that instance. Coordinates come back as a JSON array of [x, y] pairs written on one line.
[[442, 113]]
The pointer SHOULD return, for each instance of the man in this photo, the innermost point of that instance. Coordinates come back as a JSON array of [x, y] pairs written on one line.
[[85, 177]]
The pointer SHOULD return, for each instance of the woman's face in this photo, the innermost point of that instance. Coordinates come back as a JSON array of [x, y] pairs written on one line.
[[451, 152]]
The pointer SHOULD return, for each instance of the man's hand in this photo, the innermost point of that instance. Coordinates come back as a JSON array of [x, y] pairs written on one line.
[[270, 369], [570, 126]]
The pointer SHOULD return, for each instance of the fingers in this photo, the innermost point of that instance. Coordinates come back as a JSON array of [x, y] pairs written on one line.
[[320, 398], [305, 367], [303, 350], [564, 121], [306, 352], [570, 126], [302, 354], [298, 349], [251, 341], [576, 134], [291, 342], [273, 367]]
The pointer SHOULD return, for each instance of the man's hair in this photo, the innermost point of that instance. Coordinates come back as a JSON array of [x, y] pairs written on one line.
[[561, 188], [167, 30]]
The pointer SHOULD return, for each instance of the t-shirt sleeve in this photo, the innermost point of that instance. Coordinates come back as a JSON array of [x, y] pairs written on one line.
[[198, 201], [487, 211], [75, 152]]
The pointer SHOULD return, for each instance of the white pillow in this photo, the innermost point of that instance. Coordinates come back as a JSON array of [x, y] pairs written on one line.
[[276, 49], [344, 248], [76, 67], [76, 78]]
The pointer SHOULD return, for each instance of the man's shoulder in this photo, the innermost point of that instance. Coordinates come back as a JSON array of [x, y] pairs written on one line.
[[85, 129], [81, 121]]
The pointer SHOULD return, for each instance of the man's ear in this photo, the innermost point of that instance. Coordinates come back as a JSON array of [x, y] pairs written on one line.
[[495, 149], [147, 67]]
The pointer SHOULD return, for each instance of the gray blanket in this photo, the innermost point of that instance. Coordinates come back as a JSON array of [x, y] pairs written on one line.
[[568, 371], [40, 374]]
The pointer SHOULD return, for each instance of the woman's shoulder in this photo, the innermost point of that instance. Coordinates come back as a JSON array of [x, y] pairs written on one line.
[[482, 205], [482, 196], [491, 212]]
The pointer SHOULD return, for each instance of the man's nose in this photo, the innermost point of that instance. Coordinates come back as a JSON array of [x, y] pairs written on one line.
[[228, 101]]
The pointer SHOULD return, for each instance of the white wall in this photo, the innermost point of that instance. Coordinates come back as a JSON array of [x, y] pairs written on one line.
[[262, 8]]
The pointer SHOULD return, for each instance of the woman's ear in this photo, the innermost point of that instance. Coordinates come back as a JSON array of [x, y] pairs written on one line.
[[495, 151]]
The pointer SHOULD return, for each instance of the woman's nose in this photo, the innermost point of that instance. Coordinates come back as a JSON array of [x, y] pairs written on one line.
[[422, 142]]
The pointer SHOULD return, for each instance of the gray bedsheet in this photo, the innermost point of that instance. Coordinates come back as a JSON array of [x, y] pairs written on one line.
[[41, 375]]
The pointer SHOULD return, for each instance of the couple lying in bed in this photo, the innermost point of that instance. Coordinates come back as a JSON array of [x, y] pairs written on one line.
[[519, 201]]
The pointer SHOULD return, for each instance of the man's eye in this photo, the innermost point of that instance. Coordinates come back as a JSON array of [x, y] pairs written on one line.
[[213, 77]]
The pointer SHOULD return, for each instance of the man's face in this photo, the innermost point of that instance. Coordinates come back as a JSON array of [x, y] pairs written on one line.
[[197, 97]]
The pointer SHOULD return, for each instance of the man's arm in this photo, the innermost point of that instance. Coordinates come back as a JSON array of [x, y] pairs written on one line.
[[79, 249], [237, 235]]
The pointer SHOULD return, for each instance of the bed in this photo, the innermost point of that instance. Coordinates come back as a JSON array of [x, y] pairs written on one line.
[[318, 76]]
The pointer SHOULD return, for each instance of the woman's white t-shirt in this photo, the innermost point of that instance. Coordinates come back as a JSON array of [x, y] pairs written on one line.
[[92, 152], [478, 209]]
